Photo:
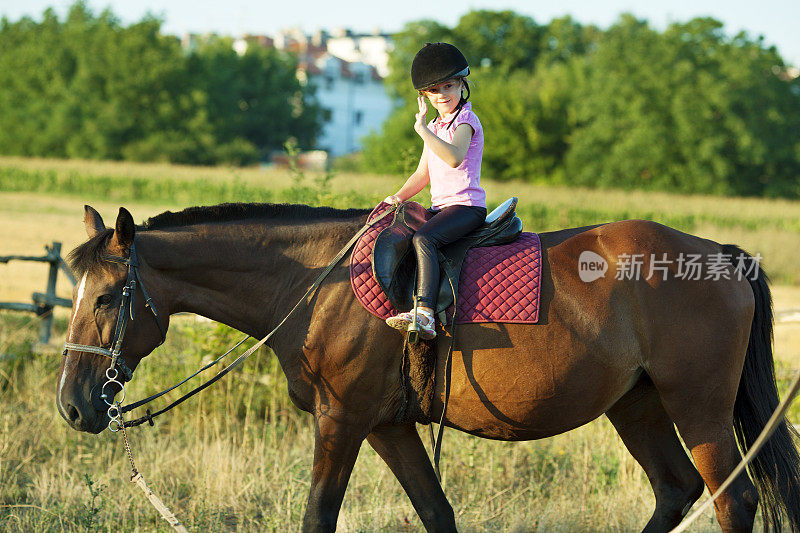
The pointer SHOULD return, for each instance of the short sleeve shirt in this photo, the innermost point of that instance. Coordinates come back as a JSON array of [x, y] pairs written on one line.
[[460, 185]]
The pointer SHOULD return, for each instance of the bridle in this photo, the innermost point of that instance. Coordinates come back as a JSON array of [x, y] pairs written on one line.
[[126, 311], [126, 314]]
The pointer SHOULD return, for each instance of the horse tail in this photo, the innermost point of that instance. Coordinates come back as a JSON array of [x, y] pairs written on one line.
[[775, 470]]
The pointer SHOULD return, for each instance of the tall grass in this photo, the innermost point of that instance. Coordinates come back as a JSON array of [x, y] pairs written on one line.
[[549, 208], [167, 191], [238, 458]]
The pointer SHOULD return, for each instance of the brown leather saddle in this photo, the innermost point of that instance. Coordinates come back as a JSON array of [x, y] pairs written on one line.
[[394, 262]]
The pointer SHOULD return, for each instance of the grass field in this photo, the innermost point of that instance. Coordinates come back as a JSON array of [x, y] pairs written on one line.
[[237, 458]]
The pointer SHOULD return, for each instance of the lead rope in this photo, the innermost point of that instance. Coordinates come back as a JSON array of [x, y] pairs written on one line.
[[117, 423], [138, 479]]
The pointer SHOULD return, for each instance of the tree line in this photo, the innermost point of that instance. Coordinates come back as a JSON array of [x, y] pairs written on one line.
[[686, 109], [89, 87]]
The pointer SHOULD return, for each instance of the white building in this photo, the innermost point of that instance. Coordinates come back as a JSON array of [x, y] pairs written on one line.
[[355, 100], [372, 49], [347, 70]]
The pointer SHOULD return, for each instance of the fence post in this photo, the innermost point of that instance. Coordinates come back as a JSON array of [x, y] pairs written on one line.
[[45, 309]]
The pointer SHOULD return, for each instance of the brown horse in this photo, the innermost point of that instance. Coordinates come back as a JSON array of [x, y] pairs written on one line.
[[647, 352]]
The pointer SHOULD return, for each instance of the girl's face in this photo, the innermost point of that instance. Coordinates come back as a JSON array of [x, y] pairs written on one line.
[[445, 96]]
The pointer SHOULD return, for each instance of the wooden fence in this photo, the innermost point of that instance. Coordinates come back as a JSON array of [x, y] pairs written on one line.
[[43, 303]]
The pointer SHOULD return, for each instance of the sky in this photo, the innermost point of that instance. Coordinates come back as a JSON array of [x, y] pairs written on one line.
[[776, 20]]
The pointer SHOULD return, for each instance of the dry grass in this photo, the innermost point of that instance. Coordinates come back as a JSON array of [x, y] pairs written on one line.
[[237, 458], [31, 221], [276, 177]]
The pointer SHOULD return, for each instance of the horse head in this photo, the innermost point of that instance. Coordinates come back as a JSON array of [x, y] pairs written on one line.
[[109, 330]]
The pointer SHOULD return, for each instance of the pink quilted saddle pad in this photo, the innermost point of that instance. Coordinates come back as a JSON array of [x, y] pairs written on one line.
[[498, 283]]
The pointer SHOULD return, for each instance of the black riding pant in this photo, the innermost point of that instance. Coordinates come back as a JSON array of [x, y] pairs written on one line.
[[446, 225]]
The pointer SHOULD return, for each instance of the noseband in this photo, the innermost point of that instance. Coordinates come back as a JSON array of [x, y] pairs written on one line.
[[126, 313]]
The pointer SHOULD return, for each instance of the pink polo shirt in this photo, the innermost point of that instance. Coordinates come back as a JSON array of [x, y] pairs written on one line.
[[460, 185]]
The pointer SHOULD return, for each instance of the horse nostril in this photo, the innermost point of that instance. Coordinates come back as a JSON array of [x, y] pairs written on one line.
[[72, 414]]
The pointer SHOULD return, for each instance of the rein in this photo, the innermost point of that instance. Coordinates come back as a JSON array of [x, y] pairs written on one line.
[[126, 313]]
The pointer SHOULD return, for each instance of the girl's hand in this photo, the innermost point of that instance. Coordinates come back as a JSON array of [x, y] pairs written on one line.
[[393, 200], [420, 123]]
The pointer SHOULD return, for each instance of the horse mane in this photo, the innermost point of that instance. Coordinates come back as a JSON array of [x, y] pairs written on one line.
[[89, 254], [238, 211]]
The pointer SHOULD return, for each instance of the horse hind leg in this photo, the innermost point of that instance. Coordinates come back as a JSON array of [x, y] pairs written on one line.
[[649, 435], [713, 445], [700, 401]]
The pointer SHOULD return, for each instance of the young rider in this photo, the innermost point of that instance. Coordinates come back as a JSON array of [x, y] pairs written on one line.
[[450, 162]]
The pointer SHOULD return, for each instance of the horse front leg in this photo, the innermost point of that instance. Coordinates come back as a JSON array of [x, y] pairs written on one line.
[[402, 450], [336, 446]]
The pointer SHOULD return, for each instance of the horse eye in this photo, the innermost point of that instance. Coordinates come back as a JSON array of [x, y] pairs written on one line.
[[104, 299]]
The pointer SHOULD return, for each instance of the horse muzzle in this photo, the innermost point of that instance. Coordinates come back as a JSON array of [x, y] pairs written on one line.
[[82, 413]]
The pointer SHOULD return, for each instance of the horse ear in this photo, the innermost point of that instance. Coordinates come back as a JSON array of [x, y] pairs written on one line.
[[123, 231], [93, 221]]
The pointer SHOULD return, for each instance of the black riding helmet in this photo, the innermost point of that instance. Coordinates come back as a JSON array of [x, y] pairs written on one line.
[[435, 63]]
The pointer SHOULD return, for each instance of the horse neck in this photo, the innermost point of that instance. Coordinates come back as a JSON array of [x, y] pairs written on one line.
[[244, 274]]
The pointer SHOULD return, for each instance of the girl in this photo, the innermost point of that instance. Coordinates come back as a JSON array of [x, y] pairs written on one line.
[[450, 162]]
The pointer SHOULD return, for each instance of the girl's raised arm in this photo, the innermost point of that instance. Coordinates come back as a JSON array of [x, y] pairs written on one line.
[[452, 154]]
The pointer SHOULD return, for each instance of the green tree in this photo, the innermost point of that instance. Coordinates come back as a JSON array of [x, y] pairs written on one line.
[[564, 40], [526, 122], [396, 148], [255, 97], [502, 40], [89, 87], [688, 110]]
